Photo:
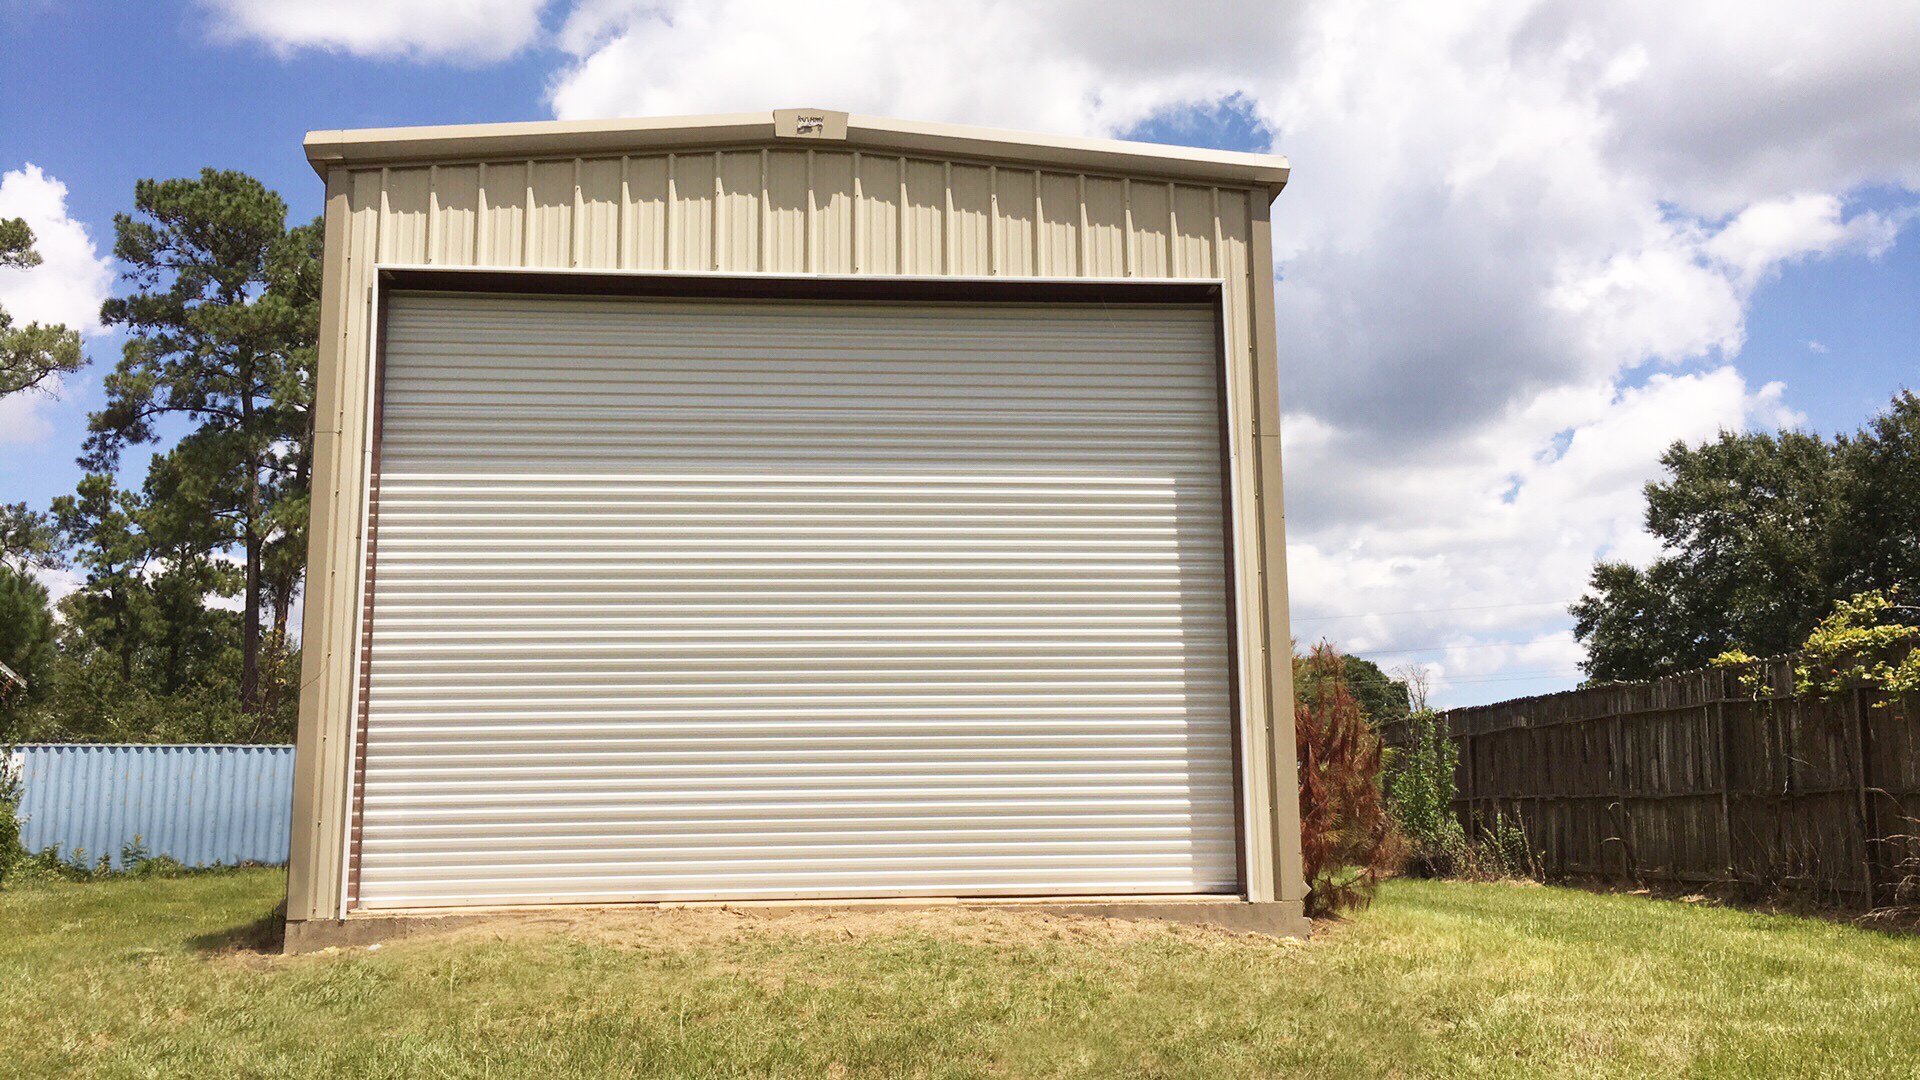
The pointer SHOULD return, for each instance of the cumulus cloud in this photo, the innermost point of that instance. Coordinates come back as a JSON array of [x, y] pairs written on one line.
[[68, 286], [1516, 256], [73, 278], [465, 30]]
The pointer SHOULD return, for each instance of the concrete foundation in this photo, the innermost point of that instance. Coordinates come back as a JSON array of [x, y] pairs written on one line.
[[1282, 918]]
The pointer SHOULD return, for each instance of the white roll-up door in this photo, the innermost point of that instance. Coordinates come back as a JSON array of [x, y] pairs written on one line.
[[737, 599]]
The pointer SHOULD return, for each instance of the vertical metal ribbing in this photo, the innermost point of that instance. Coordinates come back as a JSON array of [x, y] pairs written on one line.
[[1176, 258], [1083, 252], [621, 218], [386, 214], [433, 213], [1038, 221], [713, 217], [807, 246], [576, 236], [993, 220], [946, 225], [526, 222], [859, 198], [900, 225], [482, 229], [764, 255], [668, 249], [1217, 267], [1126, 239]]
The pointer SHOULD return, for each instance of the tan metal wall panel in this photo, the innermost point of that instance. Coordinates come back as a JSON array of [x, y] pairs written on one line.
[[643, 240], [926, 217], [406, 206], [1149, 214], [1193, 232], [503, 214], [830, 214], [551, 188], [714, 599], [1013, 219], [657, 211], [876, 225], [1060, 253], [739, 209], [690, 213], [596, 227], [786, 214], [1106, 217], [455, 214], [970, 222]]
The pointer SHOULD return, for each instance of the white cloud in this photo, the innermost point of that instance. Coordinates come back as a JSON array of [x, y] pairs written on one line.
[[67, 287], [1517, 253], [465, 30], [73, 278]]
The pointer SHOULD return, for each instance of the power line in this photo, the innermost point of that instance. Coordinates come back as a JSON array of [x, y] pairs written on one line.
[[1369, 653], [1435, 610], [1530, 677]]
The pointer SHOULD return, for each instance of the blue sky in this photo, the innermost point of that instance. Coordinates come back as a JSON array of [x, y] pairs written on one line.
[[1516, 260]]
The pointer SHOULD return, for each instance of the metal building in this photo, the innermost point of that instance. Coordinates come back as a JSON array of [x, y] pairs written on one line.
[[794, 506]]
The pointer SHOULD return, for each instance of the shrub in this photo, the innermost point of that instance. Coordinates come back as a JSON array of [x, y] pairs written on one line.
[[1347, 840], [12, 852], [1864, 643], [1420, 792]]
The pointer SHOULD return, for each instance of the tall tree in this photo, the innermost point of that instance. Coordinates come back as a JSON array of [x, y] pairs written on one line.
[[26, 647], [1763, 534], [1880, 545], [221, 319]]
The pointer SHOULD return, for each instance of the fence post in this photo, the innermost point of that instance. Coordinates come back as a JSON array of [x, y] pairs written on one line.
[[1861, 755], [1719, 708]]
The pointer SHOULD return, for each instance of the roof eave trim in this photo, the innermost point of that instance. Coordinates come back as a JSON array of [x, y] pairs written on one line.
[[385, 146]]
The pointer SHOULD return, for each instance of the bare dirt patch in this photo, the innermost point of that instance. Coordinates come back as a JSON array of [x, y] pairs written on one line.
[[654, 928]]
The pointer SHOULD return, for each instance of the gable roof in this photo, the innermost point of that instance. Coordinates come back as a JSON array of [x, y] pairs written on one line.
[[821, 128]]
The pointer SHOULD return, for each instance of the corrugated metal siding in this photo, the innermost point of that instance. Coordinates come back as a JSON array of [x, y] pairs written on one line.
[[202, 805], [801, 211], [736, 599]]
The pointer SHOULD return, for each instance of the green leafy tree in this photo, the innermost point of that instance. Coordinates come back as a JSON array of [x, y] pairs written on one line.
[[221, 321], [1382, 697], [30, 355], [1763, 534], [112, 611], [1879, 545], [26, 647], [28, 539]]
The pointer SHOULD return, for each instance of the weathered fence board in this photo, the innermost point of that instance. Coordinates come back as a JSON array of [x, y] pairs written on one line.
[[1697, 778], [203, 805]]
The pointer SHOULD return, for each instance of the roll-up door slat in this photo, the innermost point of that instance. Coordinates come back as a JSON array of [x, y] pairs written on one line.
[[737, 599]]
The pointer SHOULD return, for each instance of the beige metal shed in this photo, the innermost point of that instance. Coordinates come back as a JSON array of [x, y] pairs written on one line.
[[793, 507]]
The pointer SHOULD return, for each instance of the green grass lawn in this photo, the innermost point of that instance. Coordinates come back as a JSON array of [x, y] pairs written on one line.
[[154, 978]]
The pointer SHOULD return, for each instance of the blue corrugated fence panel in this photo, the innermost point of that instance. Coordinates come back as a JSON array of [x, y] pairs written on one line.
[[204, 805]]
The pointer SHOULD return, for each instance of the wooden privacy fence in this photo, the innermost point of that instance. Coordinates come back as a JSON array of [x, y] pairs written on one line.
[[1697, 778]]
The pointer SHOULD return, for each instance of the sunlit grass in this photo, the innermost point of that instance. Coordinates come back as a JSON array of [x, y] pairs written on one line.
[[143, 978]]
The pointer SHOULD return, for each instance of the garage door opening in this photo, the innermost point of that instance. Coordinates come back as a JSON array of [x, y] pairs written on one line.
[[800, 592]]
